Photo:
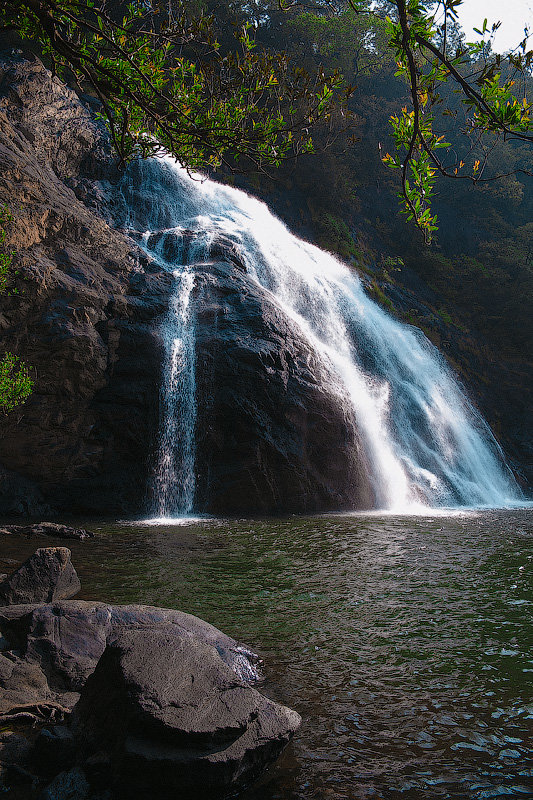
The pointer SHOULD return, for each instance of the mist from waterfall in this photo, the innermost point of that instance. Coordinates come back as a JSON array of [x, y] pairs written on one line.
[[426, 444]]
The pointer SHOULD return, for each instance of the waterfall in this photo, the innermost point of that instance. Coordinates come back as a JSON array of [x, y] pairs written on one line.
[[174, 478], [425, 442], [174, 473]]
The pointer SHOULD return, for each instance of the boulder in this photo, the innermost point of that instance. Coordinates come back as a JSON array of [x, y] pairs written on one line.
[[24, 689], [175, 718], [62, 643], [69, 785], [14, 749], [54, 751], [163, 702], [48, 575]]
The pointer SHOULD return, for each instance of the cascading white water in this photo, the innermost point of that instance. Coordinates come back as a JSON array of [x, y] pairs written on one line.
[[174, 478], [425, 442], [174, 473]]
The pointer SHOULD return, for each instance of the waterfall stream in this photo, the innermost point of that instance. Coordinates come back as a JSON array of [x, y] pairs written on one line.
[[426, 444]]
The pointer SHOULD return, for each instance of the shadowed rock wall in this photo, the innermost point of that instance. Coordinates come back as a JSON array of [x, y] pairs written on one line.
[[84, 314], [271, 436]]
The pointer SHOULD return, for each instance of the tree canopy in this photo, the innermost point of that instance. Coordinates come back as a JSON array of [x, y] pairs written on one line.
[[165, 82], [431, 55], [419, 37]]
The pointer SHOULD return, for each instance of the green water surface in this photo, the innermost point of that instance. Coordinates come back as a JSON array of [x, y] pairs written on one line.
[[404, 643]]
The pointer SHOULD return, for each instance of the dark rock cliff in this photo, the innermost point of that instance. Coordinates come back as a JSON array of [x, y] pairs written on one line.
[[270, 438], [84, 314]]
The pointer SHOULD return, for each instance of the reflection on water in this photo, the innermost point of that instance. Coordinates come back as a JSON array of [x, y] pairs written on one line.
[[405, 643]]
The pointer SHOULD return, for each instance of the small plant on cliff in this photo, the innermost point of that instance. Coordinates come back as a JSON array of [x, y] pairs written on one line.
[[15, 382], [6, 258]]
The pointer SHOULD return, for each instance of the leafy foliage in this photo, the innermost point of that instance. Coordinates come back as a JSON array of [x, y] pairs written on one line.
[[424, 60], [435, 62], [5, 258], [165, 82], [15, 382]]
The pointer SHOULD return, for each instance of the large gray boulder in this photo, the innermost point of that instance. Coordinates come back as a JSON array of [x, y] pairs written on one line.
[[69, 785], [48, 575], [175, 719], [164, 703], [62, 643]]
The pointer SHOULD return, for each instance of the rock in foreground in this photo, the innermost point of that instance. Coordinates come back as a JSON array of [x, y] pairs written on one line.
[[48, 575], [176, 718], [163, 702]]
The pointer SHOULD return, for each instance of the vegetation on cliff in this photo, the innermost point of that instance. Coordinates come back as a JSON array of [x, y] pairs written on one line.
[[15, 381], [429, 63]]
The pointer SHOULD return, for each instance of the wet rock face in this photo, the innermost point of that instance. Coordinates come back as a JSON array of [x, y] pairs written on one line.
[[83, 317], [270, 436]]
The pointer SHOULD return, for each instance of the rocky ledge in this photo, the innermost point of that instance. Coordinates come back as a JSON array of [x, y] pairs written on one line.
[[103, 701], [47, 529]]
